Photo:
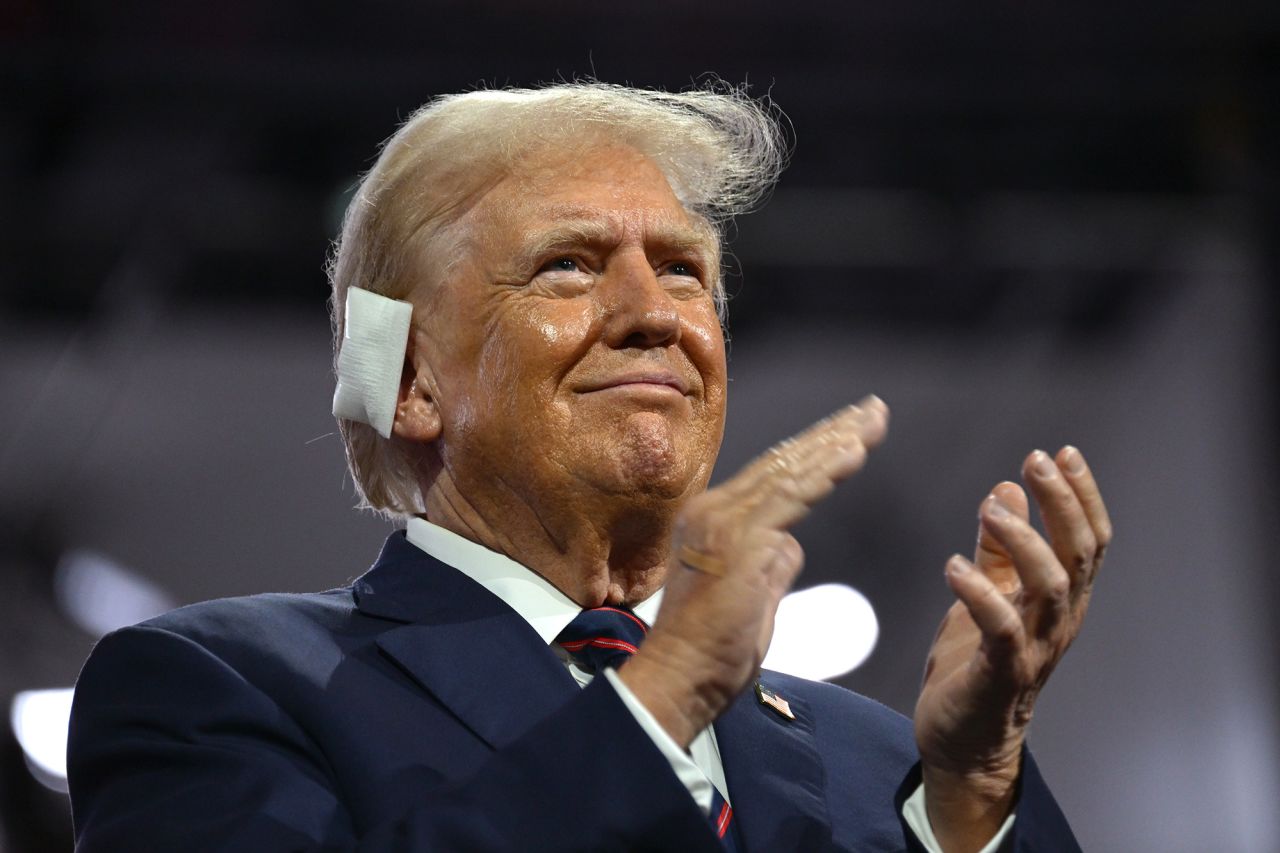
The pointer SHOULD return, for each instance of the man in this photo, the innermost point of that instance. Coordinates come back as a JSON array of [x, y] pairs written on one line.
[[532, 373]]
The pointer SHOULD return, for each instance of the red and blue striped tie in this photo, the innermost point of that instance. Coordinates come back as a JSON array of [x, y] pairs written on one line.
[[605, 637]]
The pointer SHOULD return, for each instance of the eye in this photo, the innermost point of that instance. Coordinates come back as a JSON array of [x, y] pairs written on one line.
[[565, 264], [563, 276], [687, 270], [692, 269]]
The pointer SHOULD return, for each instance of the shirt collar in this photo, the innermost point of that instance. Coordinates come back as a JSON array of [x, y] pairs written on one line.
[[547, 610]]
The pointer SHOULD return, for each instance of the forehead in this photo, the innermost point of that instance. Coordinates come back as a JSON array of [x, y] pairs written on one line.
[[611, 185]]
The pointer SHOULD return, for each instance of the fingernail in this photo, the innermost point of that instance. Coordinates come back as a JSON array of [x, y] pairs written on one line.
[[958, 565], [1044, 466], [1074, 460], [995, 509]]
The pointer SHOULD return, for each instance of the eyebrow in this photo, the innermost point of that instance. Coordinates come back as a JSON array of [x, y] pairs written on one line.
[[573, 228]]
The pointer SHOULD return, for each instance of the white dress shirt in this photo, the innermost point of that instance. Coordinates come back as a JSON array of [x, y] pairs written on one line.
[[549, 611]]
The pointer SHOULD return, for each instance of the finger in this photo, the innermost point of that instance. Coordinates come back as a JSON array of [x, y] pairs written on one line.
[[847, 435], [1046, 588], [875, 424], [1070, 533], [1076, 470], [996, 617], [786, 491], [990, 556], [785, 560], [865, 424], [785, 497], [831, 449]]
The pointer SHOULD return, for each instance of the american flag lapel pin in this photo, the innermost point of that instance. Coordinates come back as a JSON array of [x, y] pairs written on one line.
[[768, 697]]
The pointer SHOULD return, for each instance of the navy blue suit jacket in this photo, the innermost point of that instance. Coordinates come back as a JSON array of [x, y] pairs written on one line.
[[414, 710]]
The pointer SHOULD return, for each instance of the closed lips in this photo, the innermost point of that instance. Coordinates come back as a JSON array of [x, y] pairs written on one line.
[[669, 380]]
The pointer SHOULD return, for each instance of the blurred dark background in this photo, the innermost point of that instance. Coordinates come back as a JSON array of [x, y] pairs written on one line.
[[1020, 225]]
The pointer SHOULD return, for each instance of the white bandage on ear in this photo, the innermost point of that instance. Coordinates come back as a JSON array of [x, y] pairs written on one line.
[[371, 361]]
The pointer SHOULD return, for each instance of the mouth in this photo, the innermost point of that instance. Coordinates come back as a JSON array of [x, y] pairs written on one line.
[[638, 381]]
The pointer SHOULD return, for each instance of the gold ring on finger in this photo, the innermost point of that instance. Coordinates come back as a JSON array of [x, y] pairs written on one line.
[[701, 562]]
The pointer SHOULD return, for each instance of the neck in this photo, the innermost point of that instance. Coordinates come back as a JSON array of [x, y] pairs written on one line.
[[615, 554]]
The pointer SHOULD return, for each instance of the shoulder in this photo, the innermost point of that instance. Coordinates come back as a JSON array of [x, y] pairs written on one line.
[[251, 618], [845, 719], [266, 640], [824, 695], [865, 750]]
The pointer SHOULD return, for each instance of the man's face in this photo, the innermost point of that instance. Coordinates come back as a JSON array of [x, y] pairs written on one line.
[[575, 348]]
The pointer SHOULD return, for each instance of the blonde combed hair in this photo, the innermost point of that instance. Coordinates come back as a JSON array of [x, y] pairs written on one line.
[[720, 150]]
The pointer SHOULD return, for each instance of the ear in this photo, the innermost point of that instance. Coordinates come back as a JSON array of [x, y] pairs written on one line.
[[417, 413]]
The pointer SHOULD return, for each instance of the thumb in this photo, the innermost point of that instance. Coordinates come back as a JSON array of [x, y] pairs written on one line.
[[990, 557]]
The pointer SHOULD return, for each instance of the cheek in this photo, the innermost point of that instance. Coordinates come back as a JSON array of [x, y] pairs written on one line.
[[702, 324], [531, 346], [705, 345], [561, 326], [553, 335]]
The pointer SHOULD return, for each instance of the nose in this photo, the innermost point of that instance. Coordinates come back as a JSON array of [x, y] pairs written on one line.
[[639, 312]]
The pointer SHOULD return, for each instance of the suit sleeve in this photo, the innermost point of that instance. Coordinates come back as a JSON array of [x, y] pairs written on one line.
[[1039, 826], [172, 749]]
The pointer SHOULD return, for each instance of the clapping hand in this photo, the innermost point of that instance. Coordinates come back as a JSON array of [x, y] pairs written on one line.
[[732, 560], [1021, 603]]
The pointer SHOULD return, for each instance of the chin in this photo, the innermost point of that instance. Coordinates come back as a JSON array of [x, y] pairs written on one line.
[[646, 458], [620, 474], [652, 459], [650, 487]]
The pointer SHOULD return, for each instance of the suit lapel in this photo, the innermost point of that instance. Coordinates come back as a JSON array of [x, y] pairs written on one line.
[[462, 644], [774, 774], [480, 659]]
